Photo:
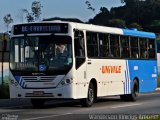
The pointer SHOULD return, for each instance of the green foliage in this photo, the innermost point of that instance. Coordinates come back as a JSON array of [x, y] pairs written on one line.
[[135, 25], [30, 17], [36, 9], [155, 26], [142, 14], [117, 23], [7, 20], [4, 91], [102, 18], [89, 6], [35, 15]]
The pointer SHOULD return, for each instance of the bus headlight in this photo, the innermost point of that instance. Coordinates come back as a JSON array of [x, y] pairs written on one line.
[[13, 82], [16, 83], [65, 82], [68, 81]]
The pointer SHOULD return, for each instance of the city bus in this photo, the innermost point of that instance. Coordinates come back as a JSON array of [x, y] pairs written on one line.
[[67, 60]]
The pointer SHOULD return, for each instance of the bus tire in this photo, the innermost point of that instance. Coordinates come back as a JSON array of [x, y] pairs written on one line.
[[88, 102], [37, 103], [134, 93]]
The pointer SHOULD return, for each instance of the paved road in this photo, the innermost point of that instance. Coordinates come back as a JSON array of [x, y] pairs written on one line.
[[106, 108]]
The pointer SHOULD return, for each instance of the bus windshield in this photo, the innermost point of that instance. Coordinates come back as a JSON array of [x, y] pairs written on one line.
[[41, 53]]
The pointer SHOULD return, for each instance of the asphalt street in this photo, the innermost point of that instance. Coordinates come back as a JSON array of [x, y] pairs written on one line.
[[147, 106]]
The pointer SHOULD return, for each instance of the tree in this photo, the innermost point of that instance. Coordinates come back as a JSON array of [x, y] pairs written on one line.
[[135, 25], [8, 20], [29, 17], [90, 6], [155, 26], [117, 23], [101, 18], [36, 10], [104, 10]]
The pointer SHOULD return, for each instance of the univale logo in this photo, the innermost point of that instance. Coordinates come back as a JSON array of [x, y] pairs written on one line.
[[111, 69]]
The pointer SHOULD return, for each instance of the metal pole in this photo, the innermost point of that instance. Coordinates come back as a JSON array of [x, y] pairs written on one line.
[[3, 56]]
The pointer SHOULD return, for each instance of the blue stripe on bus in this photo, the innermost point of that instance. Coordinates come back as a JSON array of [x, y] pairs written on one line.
[[20, 81], [17, 78], [127, 83], [136, 33], [125, 86]]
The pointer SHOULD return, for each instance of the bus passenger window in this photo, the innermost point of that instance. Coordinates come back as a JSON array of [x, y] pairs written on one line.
[[143, 48], [134, 47], [152, 53], [114, 46], [104, 45], [125, 51], [92, 44]]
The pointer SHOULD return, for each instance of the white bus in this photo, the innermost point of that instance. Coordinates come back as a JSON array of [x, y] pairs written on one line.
[[66, 60]]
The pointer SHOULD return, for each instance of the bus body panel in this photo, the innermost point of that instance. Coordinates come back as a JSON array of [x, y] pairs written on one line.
[[147, 81], [109, 74], [81, 81]]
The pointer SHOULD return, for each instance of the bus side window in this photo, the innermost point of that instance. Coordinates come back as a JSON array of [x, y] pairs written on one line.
[[152, 54], [158, 46], [143, 48], [125, 51], [92, 44], [79, 48], [103, 45], [134, 48], [114, 46]]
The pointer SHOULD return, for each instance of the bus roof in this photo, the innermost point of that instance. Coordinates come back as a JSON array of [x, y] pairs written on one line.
[[136, 33], [114, 30], [104, 29]]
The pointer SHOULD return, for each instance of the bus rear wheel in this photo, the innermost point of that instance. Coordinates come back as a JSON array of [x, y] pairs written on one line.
[[134, 93], [88, 102], [37, 103]]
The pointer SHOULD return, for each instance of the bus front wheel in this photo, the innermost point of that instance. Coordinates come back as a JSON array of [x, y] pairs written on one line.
[[88, 102]]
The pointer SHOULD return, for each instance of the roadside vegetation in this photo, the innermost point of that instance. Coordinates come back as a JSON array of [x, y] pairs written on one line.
[[4, 91]]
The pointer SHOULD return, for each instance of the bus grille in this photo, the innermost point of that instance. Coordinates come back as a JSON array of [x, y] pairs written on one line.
[[38, 78]]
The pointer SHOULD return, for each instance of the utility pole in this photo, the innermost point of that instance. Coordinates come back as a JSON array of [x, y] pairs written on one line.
[[3, 56], [4, 44]]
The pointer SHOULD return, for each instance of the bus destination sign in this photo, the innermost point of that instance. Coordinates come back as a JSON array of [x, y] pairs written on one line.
[[40, 28]]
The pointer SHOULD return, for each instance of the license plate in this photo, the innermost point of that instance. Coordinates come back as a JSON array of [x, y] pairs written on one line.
[[38, 93]]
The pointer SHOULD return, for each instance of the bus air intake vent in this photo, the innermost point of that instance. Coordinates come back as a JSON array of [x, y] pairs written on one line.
[[38, 78]]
